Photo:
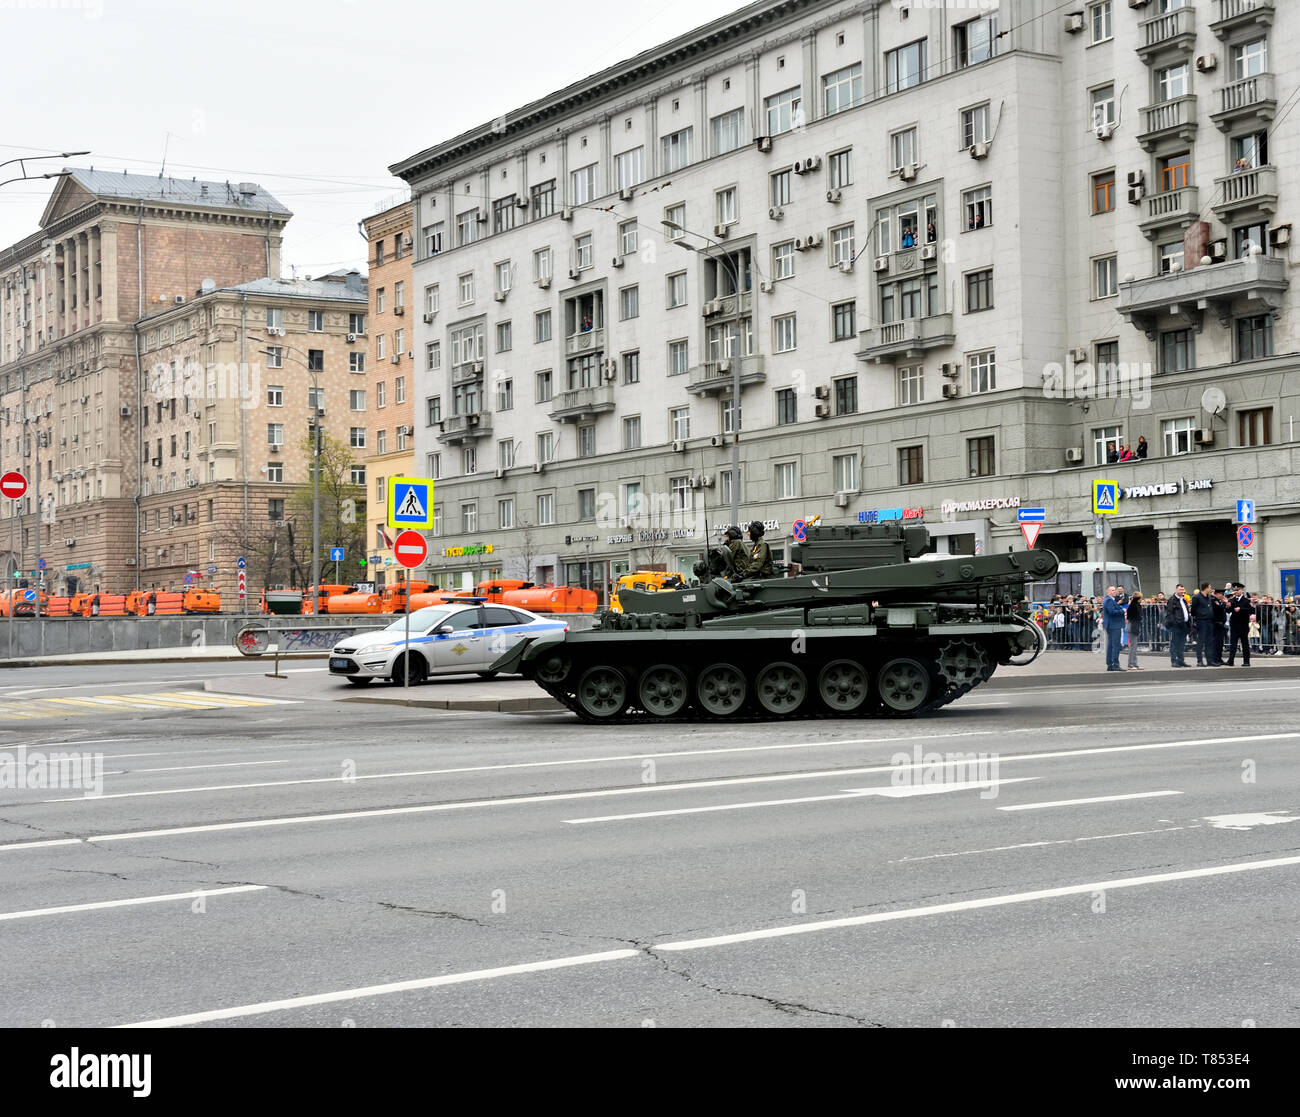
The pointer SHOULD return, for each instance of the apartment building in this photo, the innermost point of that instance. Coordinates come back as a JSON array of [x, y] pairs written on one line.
[[391, 352], [112, 250], [946, 257]]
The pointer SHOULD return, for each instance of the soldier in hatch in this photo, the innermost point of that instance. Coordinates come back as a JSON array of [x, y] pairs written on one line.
[[760, 554], [739, 552]]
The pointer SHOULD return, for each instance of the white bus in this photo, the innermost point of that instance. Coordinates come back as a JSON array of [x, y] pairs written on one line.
[[1085, 578]]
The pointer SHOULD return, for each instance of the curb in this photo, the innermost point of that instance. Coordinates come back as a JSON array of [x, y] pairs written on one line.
[[91, 662], [1091, 675]]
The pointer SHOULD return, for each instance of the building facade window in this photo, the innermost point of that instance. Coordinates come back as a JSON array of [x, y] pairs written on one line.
[[1105, 277], [1103, 192], [979, 456], [905, 66], [632, 432], [679, 423], [983, 371], [1101, 21], [676, 150], [903, 147], [629, 168], [632, 367], [1105, 441], [542, 326], [544, 387], [911, 385], [629, 303], [846, 395], [1102, 106], [1177, 351], [787, 407], [542, 199], [842, 89], [844, 469], [783, 111], [975, 125], [545, 508], [676, 290], [1178, 435], [911, 465], [582, 185], [779, 188], [728, 131], [976, 40], [678, 357], [1255, 337], [785, 481], [977, 207], [844, 321], [979, 290], [842, 245], [839, 167], [784, 333], [1255, 427]]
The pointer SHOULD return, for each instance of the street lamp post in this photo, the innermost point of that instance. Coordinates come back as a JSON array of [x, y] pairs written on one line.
[[735, 368], [314, 425]]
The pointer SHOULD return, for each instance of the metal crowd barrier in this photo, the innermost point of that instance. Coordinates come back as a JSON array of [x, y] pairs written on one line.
[[1081, 632]]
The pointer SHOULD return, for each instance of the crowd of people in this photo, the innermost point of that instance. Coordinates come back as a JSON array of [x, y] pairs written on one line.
[[1203, 624]]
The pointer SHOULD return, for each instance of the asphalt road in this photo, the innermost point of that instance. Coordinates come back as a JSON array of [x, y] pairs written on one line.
[[1116, 858]]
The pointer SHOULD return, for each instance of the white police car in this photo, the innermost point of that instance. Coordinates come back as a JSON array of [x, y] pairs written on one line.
[[452, 639]]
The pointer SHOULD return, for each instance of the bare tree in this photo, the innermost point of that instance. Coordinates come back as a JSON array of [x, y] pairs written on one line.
[[342, 503]]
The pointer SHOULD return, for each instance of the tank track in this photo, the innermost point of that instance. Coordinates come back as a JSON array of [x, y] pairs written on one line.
[[955, 682]]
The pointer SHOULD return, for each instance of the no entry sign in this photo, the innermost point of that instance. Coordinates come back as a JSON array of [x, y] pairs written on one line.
[[410, 548], [13, 485]]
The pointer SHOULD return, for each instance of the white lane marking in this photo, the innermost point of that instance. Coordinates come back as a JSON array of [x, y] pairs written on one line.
[[974, 905], [550, 763], [1081, 802], [190, 767], [639, 789], [134, 902], [1036, 845], [383, 990], [364, 991], [848, 793], [1247, 821]]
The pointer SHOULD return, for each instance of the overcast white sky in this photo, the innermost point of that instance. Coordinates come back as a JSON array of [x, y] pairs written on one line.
[[311, 98]]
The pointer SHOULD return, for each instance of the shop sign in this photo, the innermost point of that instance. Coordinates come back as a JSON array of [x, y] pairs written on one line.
[[1169, 488], [950, 507], [769, 526], [468, 549], [569, 540], [884, 515]]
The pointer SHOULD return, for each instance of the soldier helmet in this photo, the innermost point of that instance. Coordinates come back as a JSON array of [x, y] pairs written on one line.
[[757, 527], [733, 532]]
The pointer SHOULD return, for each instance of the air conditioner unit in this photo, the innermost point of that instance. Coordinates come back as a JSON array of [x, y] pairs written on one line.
[[63, 441], [574, 273], [352, 337], [1203, 436], [181, 298], [822, 410], [763, 143], [979, 151], [798, 167], [1207, 62], [1135, 195], [712, 307], [69, 542], [521, 203], [822, 391], [500, 474], [1074, 454], [1073, 23], [396, 358], [841, 500], [500, 296], [481, 216], [275, 331], [724, 366], [846, 266], [1279, 236], [834, 195], [1217, 251], [776, 213], [814, 241], [765, 286], [908, 172], [812, 164], [192, 482], [950, 391], [399, 310], [157, 461], [566, 213], [721, 230], [58, 477], [476, 367], [1138, 3], [407, 242], [882, 263], [679, 446], [1105, 130], [543, 281], [625, 194], [929, 251], [185, 455], [429, 317], [538, 467], [1137, 178], [269, 446], [616, 262], [1078, 356], [950, 371], [717, 440], [124, 411]]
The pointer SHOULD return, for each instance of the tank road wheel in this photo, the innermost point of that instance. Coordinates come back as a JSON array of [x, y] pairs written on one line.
[[962, 663], [602, 693], [903, 685], [663, 690], [843, 685], [781, 688], [721, 689], [553, 669]]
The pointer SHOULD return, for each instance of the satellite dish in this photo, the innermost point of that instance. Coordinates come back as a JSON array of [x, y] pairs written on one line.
[[1213, 400]]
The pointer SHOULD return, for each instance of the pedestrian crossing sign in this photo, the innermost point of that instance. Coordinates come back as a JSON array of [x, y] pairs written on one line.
[[410, 502], [1105, 498]]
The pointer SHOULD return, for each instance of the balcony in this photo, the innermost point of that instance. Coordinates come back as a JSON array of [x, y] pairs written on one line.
[[1232, 14], [588, 341], [459, 429], [464, 374], [1254, 190], [582, 403], [718, 377], [1169, 120], [906, 338], [1167, 34], [1251, 285], [1173, 207], [1251, 100]]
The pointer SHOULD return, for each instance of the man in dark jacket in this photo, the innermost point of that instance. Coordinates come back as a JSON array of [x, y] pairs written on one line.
[[1203, 615], [1220, 623], [1177, 618], [1240, 611], [1113, 622]]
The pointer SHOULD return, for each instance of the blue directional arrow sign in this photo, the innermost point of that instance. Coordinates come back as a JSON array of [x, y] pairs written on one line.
[[336, 554], [240, 563], [1033, 515], [29, 595], [1245, 511]]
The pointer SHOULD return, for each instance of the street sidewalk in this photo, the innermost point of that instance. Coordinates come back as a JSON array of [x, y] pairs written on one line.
[[146, 655]]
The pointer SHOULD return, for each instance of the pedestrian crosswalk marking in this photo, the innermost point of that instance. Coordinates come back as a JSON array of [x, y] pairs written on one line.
[[160, 702]]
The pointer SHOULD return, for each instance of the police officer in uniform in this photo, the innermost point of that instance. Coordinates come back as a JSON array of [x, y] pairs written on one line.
[[740, 563], [760, 554]]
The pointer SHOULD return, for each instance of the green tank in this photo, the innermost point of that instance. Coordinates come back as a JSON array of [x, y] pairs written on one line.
[[862, 630]]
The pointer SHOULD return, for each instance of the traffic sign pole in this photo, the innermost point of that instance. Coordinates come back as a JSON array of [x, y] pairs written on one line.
[[406, 659]]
